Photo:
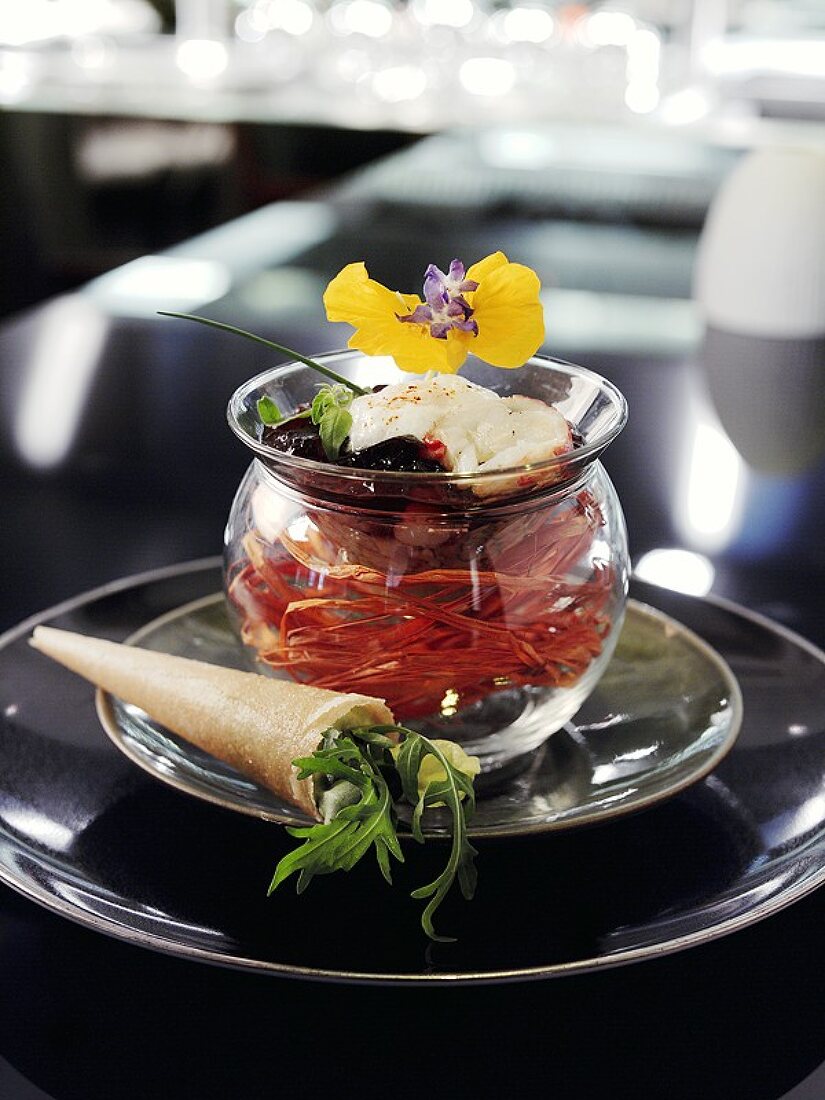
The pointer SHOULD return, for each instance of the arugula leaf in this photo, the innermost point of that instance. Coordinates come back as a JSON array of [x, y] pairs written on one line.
[[362, 758], [457, 794], [340, 844]]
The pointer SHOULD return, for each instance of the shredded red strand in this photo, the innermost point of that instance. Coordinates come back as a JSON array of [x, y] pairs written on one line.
[[440, 637]]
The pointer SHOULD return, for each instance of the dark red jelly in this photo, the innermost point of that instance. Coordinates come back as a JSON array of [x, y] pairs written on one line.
[[403, 454], [299, 436]]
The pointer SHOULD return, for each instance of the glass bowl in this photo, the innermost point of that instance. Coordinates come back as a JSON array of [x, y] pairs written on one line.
[[482, 607]]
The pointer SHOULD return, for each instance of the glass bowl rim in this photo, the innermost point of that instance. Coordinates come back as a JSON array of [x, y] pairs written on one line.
[[578, 457]]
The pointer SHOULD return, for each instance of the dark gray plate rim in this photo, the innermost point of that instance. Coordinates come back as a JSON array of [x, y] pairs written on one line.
[[663, 786], [30, 888]]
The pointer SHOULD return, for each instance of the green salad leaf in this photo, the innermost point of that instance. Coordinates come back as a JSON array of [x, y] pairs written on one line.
[[330, 411], [334, 429], [268, 411], [328, 399], [363, 759]]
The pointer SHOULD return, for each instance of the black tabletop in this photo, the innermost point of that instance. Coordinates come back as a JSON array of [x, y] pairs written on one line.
[[116, 459]]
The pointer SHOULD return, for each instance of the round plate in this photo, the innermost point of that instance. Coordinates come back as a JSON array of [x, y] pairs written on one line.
[[664, 714], [90, 836]]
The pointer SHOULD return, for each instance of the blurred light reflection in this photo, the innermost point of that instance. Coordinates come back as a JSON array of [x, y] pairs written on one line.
[[679, 570], [608, 28], [685, 107], [294, 17], [58, 379], [641, 97], [15, 77], [399, 83], [801, 57], [487, 76], [45, 831], [642, 70], [796, 824], [266, 238], [251, 25], [444, 13], [160, 282], [23, 22], [368, 17], [544, 59], [525, 24], [709, 501], [35, 826], [512, 148], [93, 52], [202, 59]]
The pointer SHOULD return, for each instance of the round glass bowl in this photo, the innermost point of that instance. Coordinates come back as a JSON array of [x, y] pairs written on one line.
[[482, 607]]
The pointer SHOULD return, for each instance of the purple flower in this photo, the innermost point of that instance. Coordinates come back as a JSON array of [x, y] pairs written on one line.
[[446, 307]]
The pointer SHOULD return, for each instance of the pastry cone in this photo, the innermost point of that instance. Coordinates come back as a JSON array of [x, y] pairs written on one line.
[[256, 724]]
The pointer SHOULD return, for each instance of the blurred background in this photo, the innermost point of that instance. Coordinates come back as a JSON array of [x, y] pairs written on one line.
[[130, 125], [659, 162]]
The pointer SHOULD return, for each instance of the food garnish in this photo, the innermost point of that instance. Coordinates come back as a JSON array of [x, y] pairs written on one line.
[[492, 309], [321, 368], [401, 614], [331, 754], [359, 811]]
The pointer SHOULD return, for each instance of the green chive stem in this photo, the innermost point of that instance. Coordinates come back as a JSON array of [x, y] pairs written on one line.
[[269, 344]]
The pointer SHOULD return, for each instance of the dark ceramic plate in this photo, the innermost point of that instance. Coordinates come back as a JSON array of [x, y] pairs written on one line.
[[87, 834], [664, 714]]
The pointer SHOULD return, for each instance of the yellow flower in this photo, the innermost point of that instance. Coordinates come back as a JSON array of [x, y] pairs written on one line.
[[492, 310]]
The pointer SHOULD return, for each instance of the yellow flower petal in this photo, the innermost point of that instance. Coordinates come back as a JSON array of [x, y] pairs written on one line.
[[354, 297], [486, 266], [374, 310], [418, 352], [509, 315], [505, 306]]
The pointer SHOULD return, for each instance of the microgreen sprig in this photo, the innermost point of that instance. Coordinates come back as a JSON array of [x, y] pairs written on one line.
[[329, 411], [268, 411], [362, 758]]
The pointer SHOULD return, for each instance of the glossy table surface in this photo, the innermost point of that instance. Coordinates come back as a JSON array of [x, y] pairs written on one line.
[[115, 459]]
